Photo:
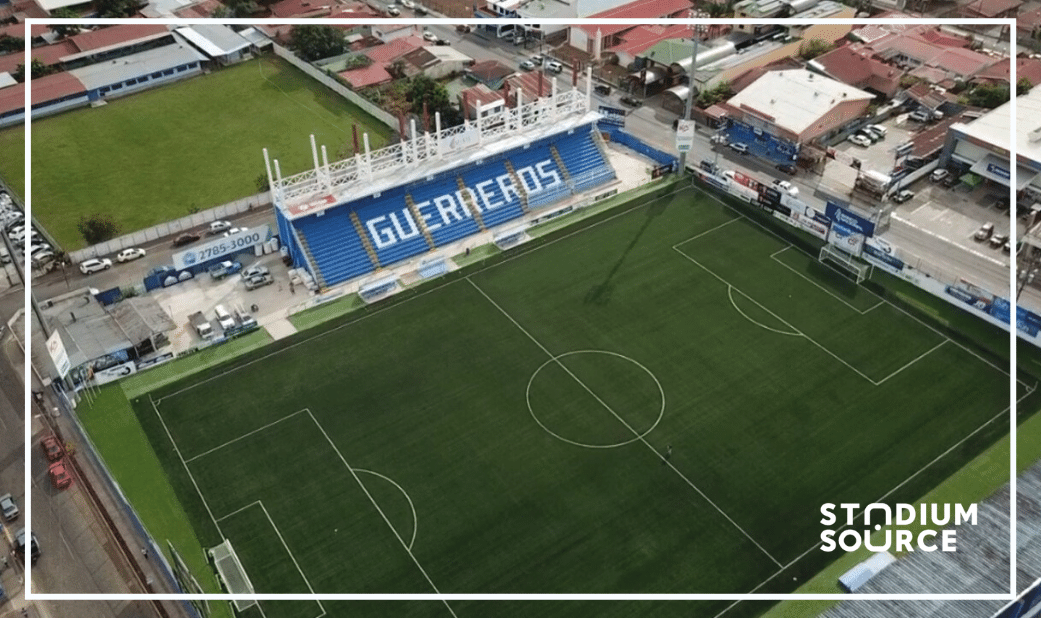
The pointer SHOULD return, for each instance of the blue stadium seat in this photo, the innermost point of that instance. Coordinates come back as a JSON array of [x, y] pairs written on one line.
[[508, 211], [585, 164], [534, 155], [335, 247], [391, 205], [443, 234]]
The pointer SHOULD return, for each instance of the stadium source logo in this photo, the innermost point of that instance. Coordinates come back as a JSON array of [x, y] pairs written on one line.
[[189, 258], [857, 531]]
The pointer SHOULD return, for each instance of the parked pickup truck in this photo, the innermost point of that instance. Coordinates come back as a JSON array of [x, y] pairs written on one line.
[[224, 269], [201, 325]]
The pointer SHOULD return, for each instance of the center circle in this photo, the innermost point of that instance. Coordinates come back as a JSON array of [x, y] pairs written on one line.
[[556, 359]]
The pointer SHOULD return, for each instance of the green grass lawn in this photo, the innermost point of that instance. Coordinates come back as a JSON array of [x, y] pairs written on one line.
[[437, 443], [160, 154]]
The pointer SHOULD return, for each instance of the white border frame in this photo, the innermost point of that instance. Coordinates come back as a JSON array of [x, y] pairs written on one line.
[[1010, 23]]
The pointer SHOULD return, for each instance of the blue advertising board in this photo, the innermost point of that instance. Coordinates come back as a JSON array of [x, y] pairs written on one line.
[[847, 219], [612, 116], [882, 259]]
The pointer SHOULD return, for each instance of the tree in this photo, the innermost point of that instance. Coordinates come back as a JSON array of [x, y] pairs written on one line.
[[39, 69], [116, 8], [814, 48], [97, 228], [361, 61], [261, 182], [720, 92], [988, 96], [11, 43], [1023, 86], [424, 89], [716, 9], [317, 42], [64, 30]]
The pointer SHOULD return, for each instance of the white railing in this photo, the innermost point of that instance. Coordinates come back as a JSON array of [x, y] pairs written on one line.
[[399, 160]]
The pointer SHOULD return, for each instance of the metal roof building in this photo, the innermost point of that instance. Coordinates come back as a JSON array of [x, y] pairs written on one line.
[[139, 71], [219, 42]]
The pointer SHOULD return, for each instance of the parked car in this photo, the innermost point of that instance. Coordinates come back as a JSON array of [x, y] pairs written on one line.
[[420, 11], [869, 136], [408, 4], [216, 227], [739, 148], [631, 101], [235, 230], [393, 11], [527, 65], [859, 140], [185, 239], [258, 281], [903, 196], [997, 240], [8, 506], [127, 255], [60, 477], [718, 138], [225, 268], [878, 129], [51, 448], [985, 232], [463, 28], [939, 174], [950, 181], [537, 59], [20, 546], [787, 187], [602, 89], [554, 66], [93, 265], [920, 116], [429, 36], [255, 270], [787, 168]]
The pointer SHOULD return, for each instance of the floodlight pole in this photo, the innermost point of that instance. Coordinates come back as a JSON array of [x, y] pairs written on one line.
[[690, 93]]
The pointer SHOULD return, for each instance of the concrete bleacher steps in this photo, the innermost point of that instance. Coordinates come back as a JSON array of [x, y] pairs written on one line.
[[365, 240], [419, 220], [302, 241], [560, 163], [334, 247], [520, 185], [469, 201]]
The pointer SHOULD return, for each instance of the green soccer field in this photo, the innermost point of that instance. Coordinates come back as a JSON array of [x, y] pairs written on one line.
[[176, 149], [657, 403]]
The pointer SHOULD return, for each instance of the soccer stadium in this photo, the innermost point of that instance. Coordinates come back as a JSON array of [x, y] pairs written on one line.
[[654, 398]]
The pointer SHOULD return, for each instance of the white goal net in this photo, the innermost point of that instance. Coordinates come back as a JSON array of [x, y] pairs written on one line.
[[232, 574], [844, 263]]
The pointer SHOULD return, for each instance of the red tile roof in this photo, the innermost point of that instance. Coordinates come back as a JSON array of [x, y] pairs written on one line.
[[938, 37], [44, 89], [961, 62], [858, 69], [638, 8], [302, 8], [199, 9], [529, 83], [480, 92], [48, 54], [999, 72], [389, 52], [114, 35], [642, 38], [990, 8], [18, 30], [1027, 21], [369, 76], [9, 62]]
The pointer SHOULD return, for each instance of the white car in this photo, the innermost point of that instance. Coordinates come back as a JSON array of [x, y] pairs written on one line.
[[787, 187], [430, 36], [216, 227], [132, 253], [235, 230], [408, 4], [860, 140], [91, 266]]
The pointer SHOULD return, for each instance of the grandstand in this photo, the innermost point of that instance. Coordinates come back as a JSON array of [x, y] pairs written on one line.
[[381, 208], [980, 566]]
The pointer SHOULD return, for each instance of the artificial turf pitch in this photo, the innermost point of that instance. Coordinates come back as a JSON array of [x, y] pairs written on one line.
[[505, 432]]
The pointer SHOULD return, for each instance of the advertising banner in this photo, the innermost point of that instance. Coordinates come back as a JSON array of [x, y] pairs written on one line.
[[56, 348], [613, 116], [882, 259], [859, 224], [221, 247], [846, 238], [982, 303], [685, 135], [112, 374]]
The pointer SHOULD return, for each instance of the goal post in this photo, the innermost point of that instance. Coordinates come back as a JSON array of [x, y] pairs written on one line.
[[232, 574], [845, 263]]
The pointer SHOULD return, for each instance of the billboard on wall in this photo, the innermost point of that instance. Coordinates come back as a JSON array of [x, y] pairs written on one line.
[[684, 135], [846, 238], [847, 218], [56, 348], [881, 258], [221, 247]]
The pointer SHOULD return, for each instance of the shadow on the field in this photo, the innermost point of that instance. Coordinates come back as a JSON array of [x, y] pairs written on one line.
[[600, 294]]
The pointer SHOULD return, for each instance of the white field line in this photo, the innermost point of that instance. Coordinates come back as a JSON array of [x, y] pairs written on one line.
[[380, 511], [882, 498], [730, 295], [621, 420], [779, 318], [291, 557], [238, 510], [244, 436], [415, 518], [920, 357], [773, 256], [186, 469], [901, 310], [380, 310]]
